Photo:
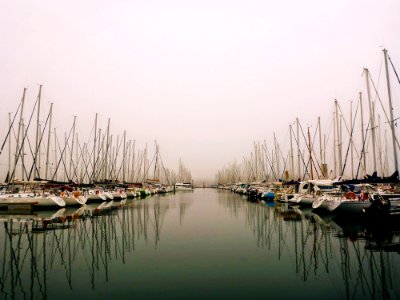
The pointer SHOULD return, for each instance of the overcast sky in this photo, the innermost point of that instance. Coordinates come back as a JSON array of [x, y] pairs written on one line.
[[203, 78]]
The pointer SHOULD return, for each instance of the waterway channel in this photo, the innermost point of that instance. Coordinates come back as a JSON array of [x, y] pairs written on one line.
[[206, 244]]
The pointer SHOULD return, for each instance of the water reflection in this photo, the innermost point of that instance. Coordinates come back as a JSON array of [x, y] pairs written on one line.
[[214, 243], [77, 248], [359, 259]]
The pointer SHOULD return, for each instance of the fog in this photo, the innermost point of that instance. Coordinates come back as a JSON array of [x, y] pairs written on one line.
[[204, 78]]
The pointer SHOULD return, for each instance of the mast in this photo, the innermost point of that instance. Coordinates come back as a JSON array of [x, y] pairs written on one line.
[[107, 149], [9, 147], [362, 134], [334, 146], [298, 148], [19, 132], [291, 152], [133, 160], [23, 152], [76, 171], [48, 142], [55, 152], [339, 135], [94, 148], [36, 172], [320, 142], [310, 152], [72, 150], [278, 171], [351, 141], [391, 112], [372, 118], [64, 153], [380, 146], [123, 157]]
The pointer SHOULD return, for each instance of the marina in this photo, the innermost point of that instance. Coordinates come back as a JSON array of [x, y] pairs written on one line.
[[199, 149], [161, 244]]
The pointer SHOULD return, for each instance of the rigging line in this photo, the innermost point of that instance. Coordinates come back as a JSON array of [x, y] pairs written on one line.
[[394, 69], [269, 162], [37, 150], [379, 76], [165, 171], [9, 129], [62, 156], [350, 140], [285, 160], [345, 124], [285, 163], [383, 108], [122, 162], [99, 160], [264, 145], [74, 166], [86, 165], [313, 152], [301, 154], [362, 150], [116, 158], [305, 165], [31, 151], [23, 140]]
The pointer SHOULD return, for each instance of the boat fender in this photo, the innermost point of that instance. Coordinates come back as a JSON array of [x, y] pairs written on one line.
[[350, 195], [363, 196]]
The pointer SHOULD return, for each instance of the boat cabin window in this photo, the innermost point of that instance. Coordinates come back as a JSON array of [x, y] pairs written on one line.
[[326, 187]]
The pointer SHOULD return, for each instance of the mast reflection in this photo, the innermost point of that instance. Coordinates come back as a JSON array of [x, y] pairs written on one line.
[[361, 259], [82, 244]]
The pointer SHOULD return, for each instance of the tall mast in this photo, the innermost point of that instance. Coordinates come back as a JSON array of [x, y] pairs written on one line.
[[133, 160], [37, 151], [9, 148], [123, 157], [278, 171], [48, 142], [320, 142], [72, 150], [339, 136], [310, 152], [334, 146], [78, 179], [362, 134], [66, 176], [291, 152], [19, 133], [94, 149], [298, 148], [105, 159], [391, 112], [128, 163], [351, 140], [372, 118], [23, 152], [55, 152], [380, 146]]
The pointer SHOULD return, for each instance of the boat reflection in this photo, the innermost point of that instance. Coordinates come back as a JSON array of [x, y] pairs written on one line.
[[361, 259], [82, 243]]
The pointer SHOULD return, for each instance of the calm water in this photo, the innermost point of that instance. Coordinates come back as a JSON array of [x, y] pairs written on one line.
[[206, 244]]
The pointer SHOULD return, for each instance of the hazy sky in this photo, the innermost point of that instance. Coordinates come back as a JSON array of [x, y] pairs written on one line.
[[203, 78]]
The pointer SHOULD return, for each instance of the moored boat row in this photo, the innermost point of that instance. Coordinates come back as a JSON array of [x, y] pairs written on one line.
[[44, 195], [328, 196]]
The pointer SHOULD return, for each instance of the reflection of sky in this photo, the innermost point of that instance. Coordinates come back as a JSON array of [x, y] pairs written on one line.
[[198, 76]]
